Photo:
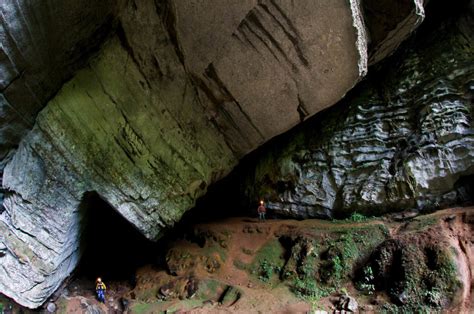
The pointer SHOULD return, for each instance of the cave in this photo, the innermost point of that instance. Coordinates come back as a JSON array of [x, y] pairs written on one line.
[[112, 248], [465, 190], [184, 114]]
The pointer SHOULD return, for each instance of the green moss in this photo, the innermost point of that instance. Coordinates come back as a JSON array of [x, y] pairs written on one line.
[[310, 289], [160, 152], [319, 266], [184, 305], [209, 289], [272, 251], [351, 246], [147, 295], [420, 275], [240, 265], [141, 308], [209, 251], [422, 222], [268, 261]]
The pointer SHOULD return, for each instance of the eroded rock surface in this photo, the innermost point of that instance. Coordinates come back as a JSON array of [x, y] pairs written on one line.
[[42, 44], [402, 140], [172, 101]]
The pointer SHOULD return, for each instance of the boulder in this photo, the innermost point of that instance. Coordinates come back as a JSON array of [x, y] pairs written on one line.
[[51, 307]]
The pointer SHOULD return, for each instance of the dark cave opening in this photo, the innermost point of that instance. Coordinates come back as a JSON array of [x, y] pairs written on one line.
[[464, 187], [112, 247]]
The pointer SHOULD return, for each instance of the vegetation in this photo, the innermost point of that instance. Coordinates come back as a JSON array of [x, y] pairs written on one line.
[[419, 276], [356, 217], [268, 261], [366, 284], [309, 288], [267, 270], [141, 307], [422, 222], [321, 262]]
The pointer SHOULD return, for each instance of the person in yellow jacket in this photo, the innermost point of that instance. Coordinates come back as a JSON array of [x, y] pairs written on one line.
[[100, 289]]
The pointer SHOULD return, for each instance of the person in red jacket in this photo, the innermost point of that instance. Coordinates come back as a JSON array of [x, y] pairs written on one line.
[[261, 211]]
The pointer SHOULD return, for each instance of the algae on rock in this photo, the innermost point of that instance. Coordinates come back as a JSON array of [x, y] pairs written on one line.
[[116, 137]]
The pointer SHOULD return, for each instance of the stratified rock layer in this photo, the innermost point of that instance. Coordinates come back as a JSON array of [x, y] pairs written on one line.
[[42, 44], [404, 139], [113, 136]]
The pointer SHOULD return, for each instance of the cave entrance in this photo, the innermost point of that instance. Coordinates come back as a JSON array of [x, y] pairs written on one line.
[[112, 247], [465, 190]]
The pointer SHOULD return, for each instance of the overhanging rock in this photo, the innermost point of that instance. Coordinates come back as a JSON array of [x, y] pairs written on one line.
[[169, 105]]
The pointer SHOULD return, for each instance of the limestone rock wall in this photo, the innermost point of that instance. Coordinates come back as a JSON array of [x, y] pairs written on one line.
[[271, 64], [179, 92], [402, 140], [42, 44], [113, 136]]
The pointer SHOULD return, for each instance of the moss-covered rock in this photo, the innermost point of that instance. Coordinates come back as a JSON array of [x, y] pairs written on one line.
[[323, 261], [417, 271]]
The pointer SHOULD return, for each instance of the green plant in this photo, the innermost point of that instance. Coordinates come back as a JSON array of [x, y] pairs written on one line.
[[356, 217], [367, 282], [308, 289], [344, 252], [434, 297], [338, 268], [267, 270], [268, 261], [390, 308]]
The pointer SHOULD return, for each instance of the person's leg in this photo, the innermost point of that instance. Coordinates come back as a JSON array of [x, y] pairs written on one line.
[[101, 296]]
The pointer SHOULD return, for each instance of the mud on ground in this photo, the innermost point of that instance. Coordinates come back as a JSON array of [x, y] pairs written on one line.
[[401, 262]]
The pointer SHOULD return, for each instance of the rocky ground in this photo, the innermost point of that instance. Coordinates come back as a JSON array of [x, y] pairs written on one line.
[[402, 262]]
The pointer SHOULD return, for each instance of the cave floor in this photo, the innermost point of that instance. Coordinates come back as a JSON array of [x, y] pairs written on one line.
[[238, 265]]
